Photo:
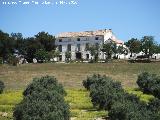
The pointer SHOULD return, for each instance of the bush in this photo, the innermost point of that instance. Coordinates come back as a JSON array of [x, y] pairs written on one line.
[[128, 110], [109, 95], [91, 80], [145, 81], [12, 60], [104, 96], [103, 90], [149, 83], [129, 107], [44, 83], [1, 87], [41, 55], [46, 105], [154, 106], [43, 100], [98, 79]]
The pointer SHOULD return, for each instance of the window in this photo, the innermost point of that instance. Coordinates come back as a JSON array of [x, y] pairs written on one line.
[[60, 48], [96, 38], [78, 39], [78, 47], [87, 38], [87, 46], [87, 56], [60, 40], [69, 47]]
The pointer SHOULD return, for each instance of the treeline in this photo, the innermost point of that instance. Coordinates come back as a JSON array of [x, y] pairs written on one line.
[[109, 95], [147, 45], [41, 46]]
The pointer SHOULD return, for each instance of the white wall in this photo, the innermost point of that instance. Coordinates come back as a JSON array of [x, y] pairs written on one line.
[[73, 41]]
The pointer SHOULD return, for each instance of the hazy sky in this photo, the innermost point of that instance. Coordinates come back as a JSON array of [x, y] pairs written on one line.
[[127, 18]]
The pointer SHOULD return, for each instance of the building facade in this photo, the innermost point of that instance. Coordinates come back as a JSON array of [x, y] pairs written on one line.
[[76, 43]]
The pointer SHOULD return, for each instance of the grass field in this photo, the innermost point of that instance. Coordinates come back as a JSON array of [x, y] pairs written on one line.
[[80, 105], [71, 76]]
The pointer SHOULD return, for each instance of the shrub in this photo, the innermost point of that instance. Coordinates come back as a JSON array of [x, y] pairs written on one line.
[[155, 89], [1, 87], [41, 55], [149, 83], [43, 100], [109, 95], [45, 105], [154, 105], [91, 80], [104, 96], [128, 110], [103, 90], [145, 81], [44, 83], [129, 107], [12, 60], [98, 79]]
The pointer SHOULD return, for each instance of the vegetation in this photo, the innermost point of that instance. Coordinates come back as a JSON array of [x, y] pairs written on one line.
[[109, 95], [92, 80], [129, 110], [43, 99], [41, 56], [15, 43], [79, 101], [148, 45], [1, 87], [42, 45], [44, 83], [134, 45], [149, 83], [80, 104], [108, 49], [68, 56], [103, 91], [81, 107], [12, 60], [94, 51]]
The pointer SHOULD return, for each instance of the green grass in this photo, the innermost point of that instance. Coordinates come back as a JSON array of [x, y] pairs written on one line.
[[143, 97], [80, 104]]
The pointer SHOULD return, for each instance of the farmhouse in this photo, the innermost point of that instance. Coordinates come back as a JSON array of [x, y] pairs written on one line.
[[76, 43]]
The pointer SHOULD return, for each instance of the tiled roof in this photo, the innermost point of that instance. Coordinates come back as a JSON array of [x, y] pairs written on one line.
[[80, 34], [89, 33]]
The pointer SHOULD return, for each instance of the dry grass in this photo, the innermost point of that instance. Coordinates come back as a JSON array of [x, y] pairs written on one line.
[[71, 75]]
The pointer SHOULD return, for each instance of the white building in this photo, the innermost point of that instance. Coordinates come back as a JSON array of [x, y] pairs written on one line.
[[76, 42]]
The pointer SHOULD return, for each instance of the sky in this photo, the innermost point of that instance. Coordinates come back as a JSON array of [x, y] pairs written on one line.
[[127, 18]]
